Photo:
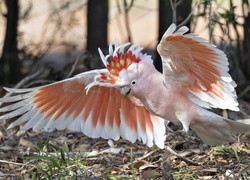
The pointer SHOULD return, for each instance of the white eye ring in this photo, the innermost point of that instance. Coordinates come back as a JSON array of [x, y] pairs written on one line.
[[133, 83]]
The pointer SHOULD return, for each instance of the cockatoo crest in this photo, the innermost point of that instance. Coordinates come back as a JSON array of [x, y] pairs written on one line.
[[118, 62]]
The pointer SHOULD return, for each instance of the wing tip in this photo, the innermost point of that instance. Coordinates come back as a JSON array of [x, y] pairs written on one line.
[[169, 31]]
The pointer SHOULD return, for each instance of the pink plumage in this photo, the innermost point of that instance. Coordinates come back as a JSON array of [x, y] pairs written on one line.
[[131, 99]]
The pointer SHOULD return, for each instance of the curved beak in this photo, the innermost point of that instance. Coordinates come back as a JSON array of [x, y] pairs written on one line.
[[125, 91]]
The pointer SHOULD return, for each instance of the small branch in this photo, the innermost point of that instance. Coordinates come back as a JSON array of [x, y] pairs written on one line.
[[84, 53], [23, 82], [127, 8], [244, 92], [38, 82], [210, 22], [180, 157], [14, 163], [28, 78], [178, 3], [119, 24], [185, 21], [187, 18], [148, 154], [173, 7]]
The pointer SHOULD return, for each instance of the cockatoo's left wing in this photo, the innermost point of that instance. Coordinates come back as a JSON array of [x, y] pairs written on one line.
[[102, 112], [197, 69]]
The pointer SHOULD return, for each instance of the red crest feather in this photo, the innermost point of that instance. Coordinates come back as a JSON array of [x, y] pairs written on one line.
[[119, 60]]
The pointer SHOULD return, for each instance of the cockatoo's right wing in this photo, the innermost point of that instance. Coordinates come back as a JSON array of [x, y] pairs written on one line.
[[197, 69], [102, 112]]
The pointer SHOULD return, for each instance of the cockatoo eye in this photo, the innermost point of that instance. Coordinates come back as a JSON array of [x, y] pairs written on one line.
[[133, 83]]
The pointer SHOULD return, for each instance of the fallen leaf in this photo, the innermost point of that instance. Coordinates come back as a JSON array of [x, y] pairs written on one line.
[[25, 143], [145, 166], [6, 148], [149, 174], [140, 163]]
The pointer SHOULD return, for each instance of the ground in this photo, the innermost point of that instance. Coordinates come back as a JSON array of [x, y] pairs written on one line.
[[68, 155]]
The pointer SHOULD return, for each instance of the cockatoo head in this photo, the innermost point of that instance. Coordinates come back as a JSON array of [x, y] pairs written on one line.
[[126, 68]]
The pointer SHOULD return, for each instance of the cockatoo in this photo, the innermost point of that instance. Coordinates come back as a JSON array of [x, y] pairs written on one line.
[[131, 99]]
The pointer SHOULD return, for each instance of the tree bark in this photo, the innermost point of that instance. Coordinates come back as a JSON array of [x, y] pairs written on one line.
[[166, 19], [9, 63], [97, 29], [246, 45]]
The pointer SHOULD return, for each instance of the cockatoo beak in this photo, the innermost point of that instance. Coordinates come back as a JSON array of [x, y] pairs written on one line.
[[125, 91]]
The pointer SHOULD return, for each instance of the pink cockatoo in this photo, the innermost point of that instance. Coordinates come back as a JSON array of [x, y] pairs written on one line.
[[131, 99]]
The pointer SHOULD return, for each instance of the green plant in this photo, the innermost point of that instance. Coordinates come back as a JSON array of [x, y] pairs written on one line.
[[55, 163], [184, 174], [220, 150]]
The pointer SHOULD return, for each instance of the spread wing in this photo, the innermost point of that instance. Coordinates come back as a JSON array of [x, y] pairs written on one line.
[[198, 69], [102, 112]]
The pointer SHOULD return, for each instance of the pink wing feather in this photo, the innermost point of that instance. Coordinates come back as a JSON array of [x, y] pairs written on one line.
[[198, 69], [102, 112]]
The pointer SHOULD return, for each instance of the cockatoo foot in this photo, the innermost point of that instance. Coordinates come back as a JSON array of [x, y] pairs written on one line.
[[185, 128], [181, 133]]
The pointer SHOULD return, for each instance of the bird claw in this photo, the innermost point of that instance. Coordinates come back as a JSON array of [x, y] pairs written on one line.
[[182, 133], [185, 130]]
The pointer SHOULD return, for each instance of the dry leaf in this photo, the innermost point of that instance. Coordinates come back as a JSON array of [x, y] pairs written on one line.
[[150, 174], [6, 148], [140, 163], [25, 143], [145, 166]]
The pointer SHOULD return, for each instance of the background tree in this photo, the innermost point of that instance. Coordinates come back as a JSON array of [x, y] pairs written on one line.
[[172, 11], [97, 28], [246, 40], [9, 63]]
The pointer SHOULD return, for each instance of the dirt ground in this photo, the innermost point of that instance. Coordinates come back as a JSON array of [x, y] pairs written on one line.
[[123, 160]]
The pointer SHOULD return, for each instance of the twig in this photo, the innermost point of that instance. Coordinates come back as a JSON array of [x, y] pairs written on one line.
[[28, 78], [5, 131], [127, 8], [23, 82], [173, 7], [180, 157], [148, 154], [244, 92], [178, 3], [119, 21], [185, 21], [148, 9], [84, 53], [38, 82], [210, 22], [14, 163]]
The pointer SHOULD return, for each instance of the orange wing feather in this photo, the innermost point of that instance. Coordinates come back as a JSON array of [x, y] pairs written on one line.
[[200, 70], [103, 112]]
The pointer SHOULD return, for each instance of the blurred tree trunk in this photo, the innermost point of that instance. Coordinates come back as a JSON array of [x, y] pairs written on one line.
[[166, 19], [9, 63], [246, 44], [97, 29]]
